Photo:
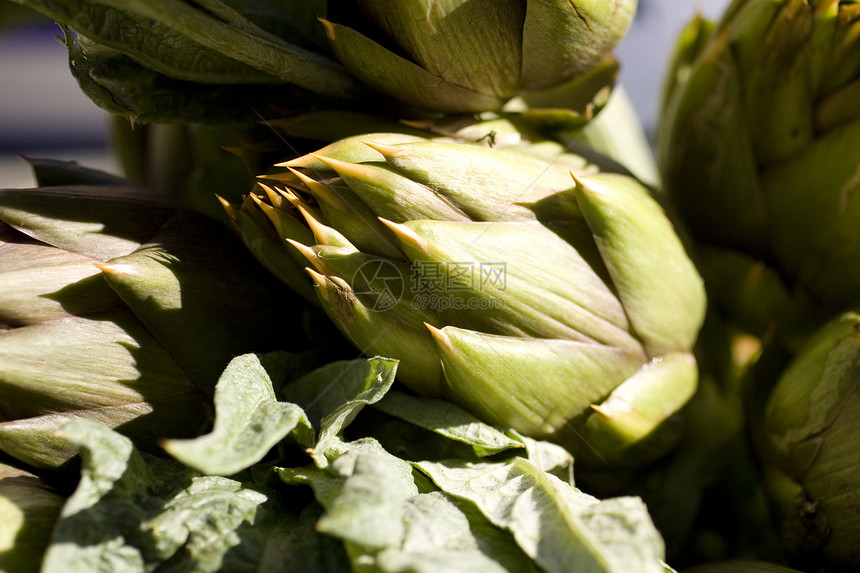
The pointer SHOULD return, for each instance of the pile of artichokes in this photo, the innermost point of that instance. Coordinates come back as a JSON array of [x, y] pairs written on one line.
[[426, 242]]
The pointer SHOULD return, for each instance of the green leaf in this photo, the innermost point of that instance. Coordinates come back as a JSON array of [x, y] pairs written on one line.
[[333, 395], [374, 505], [249, 421], [549, 457], [447, 420], [559, 527], [133, 512], [121, 86]]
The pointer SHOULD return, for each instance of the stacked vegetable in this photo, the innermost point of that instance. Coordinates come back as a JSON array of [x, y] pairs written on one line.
[[442, 269]]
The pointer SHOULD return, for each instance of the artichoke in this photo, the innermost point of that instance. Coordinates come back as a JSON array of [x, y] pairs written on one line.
[[120, 309], [812, 447], [759, 146], [459, 56], [170, 60], [564, 307]]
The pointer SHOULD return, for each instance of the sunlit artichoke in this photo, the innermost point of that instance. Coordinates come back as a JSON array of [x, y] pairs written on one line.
[[118, 308], [168, 60], [464, 56], [760, 147], [812, 448], [564, 307]]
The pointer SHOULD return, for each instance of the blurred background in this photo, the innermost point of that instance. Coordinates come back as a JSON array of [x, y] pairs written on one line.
[[44, 115]]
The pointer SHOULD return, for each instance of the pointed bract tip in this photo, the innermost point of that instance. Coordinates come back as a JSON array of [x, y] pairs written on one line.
[[320, 282], [605, 413], [440, 337], [307, 252], [329, 28], [116, 268], [405, 235], [274, 197], [321, 191], [578, 179], [387, 151], [228, 207], [319, 230], [267, 209], [336, 164]]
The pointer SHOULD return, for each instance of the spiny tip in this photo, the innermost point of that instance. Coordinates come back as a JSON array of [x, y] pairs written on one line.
[[439, 336], [387, 151], [405, 235]]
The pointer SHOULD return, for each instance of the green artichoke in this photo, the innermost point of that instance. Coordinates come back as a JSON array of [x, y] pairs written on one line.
[[812, 448], [467, 56], [564, 307], [170, 60], [121, 309], [759, 146]]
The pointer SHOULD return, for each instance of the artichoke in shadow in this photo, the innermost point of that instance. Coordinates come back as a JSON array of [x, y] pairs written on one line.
[[120, 309], [759, 148], [811, 448]]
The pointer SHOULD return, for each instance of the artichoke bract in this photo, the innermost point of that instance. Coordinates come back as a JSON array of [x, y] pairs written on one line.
[[540, 294], [467, 56], [812, 449], [759, 144]]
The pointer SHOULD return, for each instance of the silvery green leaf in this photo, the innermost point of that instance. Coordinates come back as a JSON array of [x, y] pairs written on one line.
[[374, 505], [447, 420], [249, 421], [368, 511], [549, 457], [134, 512], [334, 394], [559, 527]]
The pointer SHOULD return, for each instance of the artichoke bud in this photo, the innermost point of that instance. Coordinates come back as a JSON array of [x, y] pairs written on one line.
[[759, 137], [121, 310], [506, 285], [812, 424], [458, 56]]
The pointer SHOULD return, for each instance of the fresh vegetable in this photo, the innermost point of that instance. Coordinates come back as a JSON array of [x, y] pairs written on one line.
[[562, 306], [120, 309], [210, 61], [812, 448], [759, 145], [493, 501], [472, 56]]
